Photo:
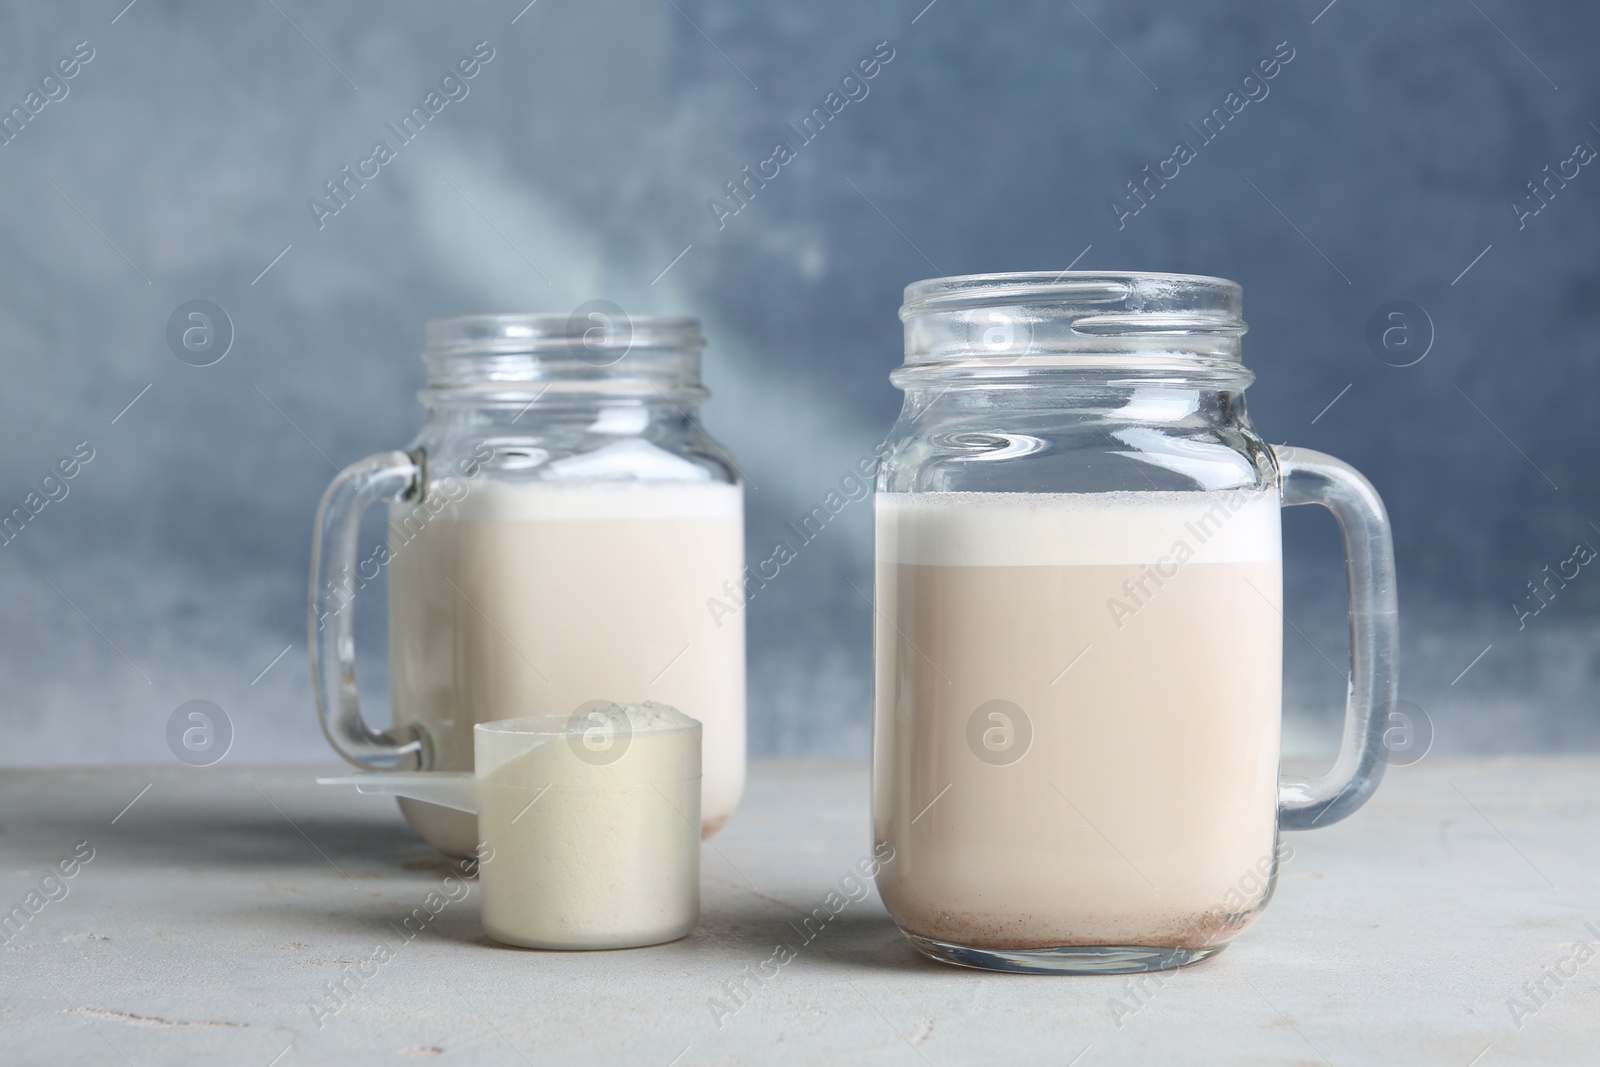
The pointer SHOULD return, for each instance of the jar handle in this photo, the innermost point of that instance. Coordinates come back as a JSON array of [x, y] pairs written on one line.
[[334, 543], [1309, 477]]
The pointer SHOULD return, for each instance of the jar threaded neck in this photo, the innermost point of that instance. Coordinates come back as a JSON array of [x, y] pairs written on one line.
[[596, 350], [1010, 325]]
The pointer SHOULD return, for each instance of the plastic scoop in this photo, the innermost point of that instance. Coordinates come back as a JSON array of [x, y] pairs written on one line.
[[589, 824]]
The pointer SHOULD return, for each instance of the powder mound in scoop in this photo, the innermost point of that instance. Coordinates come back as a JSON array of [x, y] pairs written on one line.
[[649, 715]]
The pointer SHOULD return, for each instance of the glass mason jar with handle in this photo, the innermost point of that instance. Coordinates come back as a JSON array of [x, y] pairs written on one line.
[[1078, 649], [554, 535]]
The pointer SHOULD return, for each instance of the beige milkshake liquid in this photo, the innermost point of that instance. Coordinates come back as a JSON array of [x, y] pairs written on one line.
[[1078, 702], [534, 598]]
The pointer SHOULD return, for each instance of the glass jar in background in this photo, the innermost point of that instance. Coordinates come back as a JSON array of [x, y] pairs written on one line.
[[555, 533], [1078, 647]]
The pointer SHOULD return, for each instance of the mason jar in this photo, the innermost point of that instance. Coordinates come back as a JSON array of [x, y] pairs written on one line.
[[1078, 649], [555, 533]]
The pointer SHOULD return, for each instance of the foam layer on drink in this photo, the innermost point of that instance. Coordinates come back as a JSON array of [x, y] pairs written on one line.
[[495, 501], [1077, 715], [532, 598], [1075, 529]]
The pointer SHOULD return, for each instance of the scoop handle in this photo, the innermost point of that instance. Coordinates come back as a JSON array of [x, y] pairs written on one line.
[[450, 789]]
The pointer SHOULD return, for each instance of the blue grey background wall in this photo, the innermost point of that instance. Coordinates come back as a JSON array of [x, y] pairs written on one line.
[[1334, 158]]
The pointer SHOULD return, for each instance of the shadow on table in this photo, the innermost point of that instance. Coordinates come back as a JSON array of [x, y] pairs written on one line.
[[738, 931], [268, 841], [259, 824], [742, 928], [763, 927]]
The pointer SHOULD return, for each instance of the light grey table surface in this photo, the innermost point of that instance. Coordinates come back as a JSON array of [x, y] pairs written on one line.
[[218, 907]]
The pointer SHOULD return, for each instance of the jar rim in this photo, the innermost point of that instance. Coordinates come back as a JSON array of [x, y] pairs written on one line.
[[595, 324], [1203, 294]]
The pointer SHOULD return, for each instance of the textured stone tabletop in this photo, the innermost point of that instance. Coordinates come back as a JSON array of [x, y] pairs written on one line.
[[207, 921]]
